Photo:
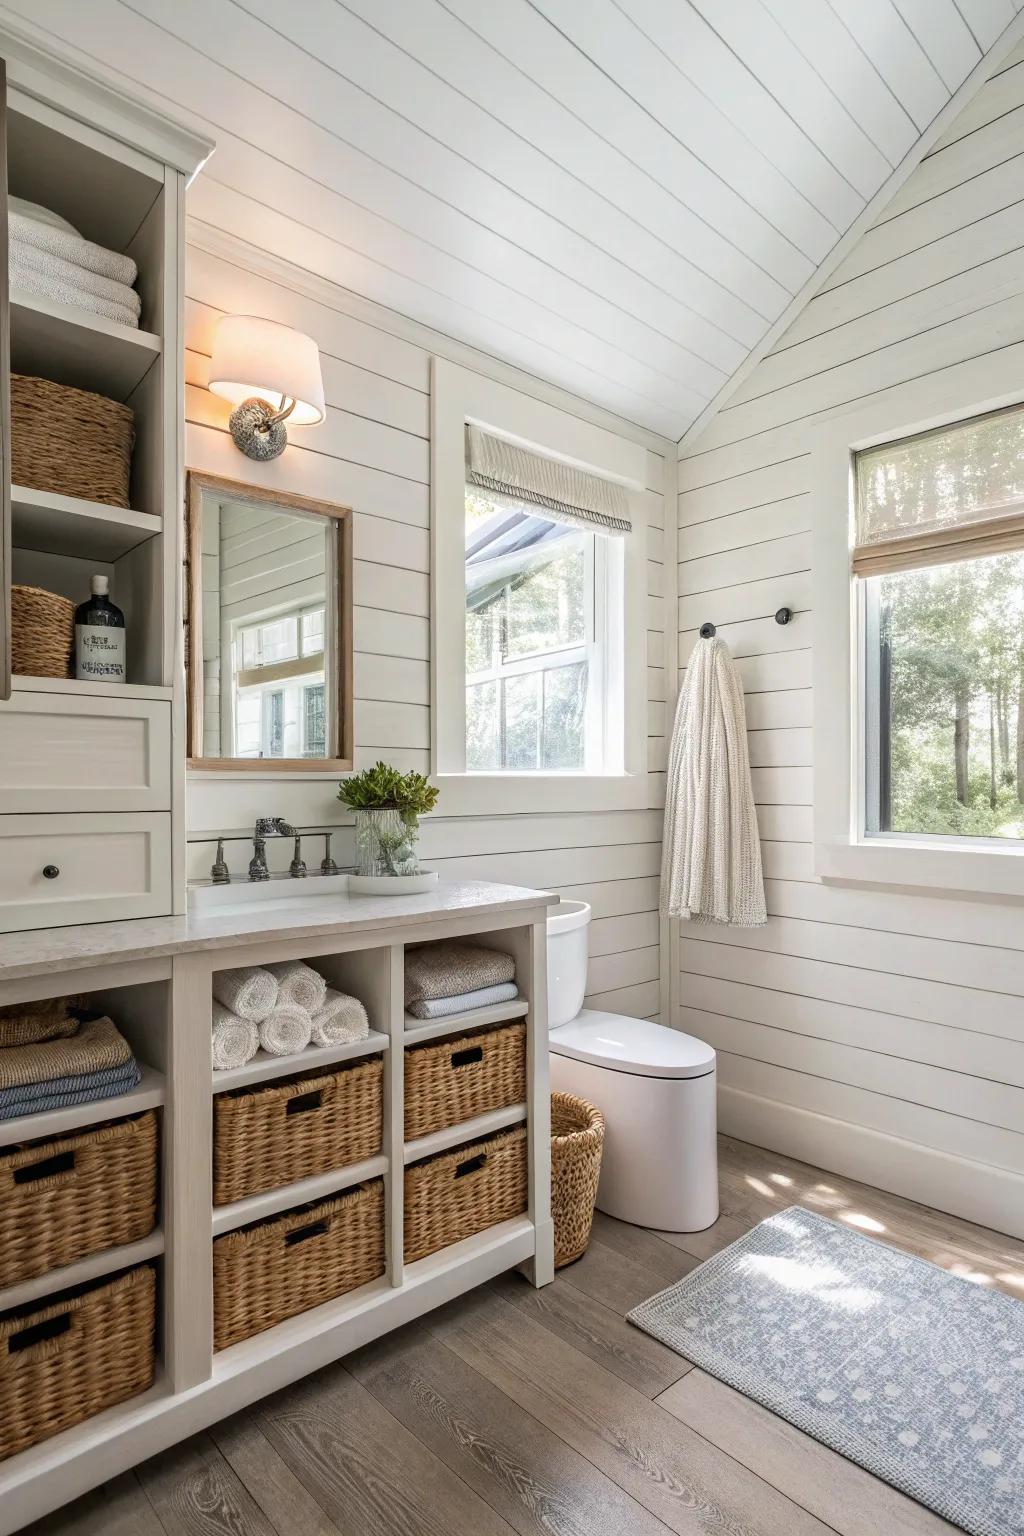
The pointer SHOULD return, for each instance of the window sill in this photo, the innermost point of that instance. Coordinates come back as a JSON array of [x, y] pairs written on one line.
[[960, 867], [497, 794]]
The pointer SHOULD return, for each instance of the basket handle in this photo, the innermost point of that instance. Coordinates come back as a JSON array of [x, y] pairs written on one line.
[[471, 1165], [302, 1234], [39, 1341], [304, 1102], [465, 1058], [46, 1168]]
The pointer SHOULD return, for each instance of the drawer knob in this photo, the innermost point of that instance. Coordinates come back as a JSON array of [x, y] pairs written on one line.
[[50, 871]]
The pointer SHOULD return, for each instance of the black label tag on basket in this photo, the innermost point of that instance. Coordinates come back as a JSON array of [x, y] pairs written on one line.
[[304, 1101], [37, 1333], [470, 1054], [60, 1162], [470, 1165]]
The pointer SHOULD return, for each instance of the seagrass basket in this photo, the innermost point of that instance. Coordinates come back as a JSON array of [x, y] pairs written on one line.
[[577, 1141], [460, 1193], [64, 1362], [287, 1264], [266, 1137], [61, 1200], [70, 440], [42, 633], [452, 1080]]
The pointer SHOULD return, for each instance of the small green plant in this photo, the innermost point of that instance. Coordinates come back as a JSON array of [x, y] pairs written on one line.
[[384, 788]]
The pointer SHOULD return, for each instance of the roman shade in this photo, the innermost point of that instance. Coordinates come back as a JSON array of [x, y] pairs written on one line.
[[564, 493], [956, 493]]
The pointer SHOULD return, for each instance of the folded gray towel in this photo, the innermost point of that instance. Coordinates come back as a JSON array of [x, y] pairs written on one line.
[[85, 1088], [453, 967], [25, 279], [484, 997], [81, 253], [62, 272]]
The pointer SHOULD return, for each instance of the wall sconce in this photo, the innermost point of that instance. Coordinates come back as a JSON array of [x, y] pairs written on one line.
[[271, 374]]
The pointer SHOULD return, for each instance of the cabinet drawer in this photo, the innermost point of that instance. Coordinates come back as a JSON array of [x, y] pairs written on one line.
[[106, 867], [62, 753]]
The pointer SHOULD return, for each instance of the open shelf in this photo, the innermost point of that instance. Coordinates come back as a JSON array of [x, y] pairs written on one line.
[[227, 1217], [92, 1268], [463, 1023], [91, 690], [466, 1131], [74, 346], [313, 1059], [66, 525], [58, 1122]]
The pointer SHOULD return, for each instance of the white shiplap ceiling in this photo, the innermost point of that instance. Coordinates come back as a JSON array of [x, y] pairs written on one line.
[[620, 196]]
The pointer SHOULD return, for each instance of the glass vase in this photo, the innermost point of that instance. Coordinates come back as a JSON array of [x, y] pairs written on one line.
[[386, 842]]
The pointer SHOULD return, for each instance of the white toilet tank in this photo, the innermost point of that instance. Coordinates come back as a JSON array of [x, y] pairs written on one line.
[[568, 931]]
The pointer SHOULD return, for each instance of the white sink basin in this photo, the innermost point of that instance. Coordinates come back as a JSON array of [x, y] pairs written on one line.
[[268, 895]]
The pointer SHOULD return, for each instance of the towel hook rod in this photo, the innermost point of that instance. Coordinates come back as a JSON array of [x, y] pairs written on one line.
[[782, 616]]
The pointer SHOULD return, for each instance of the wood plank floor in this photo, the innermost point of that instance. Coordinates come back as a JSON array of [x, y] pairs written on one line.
[[545, 1413]]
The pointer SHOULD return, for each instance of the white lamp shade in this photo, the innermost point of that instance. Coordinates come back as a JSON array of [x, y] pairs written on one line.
[[268, 360]]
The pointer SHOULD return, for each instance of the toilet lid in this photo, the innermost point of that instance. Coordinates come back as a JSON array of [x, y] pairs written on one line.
[[632, 1045]]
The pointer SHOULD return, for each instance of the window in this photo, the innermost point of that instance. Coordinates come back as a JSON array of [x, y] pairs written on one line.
[[940, 560], [279, 697], [539, 611], [535, 609]]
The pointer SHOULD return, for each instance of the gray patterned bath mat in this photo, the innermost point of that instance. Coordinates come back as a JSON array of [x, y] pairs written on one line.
[[909, 1371]]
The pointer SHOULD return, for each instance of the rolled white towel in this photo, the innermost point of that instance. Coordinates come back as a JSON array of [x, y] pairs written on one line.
[[249, 991], [286, 1030], [298, 983], [235, 1040], [340, 1020]]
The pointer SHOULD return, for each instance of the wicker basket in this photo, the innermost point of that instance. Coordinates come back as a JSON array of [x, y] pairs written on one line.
[[454, 1080], [577, 1140], [266, 1137], [287, 1264], [73, 1358], [70, 440], [457, 1194], [42, 633], [62, 1200]]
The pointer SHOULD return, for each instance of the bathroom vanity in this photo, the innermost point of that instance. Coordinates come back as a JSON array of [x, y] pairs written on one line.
[[154, 976]]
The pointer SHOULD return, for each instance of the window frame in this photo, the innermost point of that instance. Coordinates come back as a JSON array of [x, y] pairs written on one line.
[[459, 396], [843, 849]]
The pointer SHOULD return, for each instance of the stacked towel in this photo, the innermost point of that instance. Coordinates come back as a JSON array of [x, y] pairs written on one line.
[[92, 1062], [285, 1030], [340, 1020], [250, 991], [235, 1040], [298, 983], [49, 258], [452, 977]]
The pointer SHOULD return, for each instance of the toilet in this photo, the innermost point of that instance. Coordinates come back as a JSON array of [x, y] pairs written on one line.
[[654, 1086]]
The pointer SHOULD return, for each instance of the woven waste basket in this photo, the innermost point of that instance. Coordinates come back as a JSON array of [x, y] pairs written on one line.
[[577, 1139]]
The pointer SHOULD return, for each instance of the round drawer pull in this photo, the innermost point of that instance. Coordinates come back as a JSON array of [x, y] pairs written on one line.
[[50, 871]]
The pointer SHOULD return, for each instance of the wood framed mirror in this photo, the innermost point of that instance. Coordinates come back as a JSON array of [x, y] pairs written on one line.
[[268, 637]]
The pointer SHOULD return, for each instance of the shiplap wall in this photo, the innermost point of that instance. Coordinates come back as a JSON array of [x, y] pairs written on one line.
[[372, 454], [874, 1032]]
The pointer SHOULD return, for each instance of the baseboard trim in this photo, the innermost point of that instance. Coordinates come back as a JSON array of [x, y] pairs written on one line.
[[990, 1197]]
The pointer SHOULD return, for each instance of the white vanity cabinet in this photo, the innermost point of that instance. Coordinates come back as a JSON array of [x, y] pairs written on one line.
[[76, 756]]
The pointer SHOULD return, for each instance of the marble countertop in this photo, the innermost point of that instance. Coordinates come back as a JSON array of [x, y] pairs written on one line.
[[294, 917]]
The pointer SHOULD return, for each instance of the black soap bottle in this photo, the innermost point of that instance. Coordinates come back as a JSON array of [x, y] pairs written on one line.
[[99, 637]]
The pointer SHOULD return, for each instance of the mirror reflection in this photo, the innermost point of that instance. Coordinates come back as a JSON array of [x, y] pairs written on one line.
[[267, 676]]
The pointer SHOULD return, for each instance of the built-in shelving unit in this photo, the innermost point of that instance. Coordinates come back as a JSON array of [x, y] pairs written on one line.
[[92, 1268], [315, 1058], [243, 1212], [417, 1030], [65, 525], [465, 1131], [152, 691], [73, 346]]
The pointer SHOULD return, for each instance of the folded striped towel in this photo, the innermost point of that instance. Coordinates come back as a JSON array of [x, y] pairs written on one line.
[[72, 248], [62, 272], [25, 279], [60, 1093], [441, 1007], [98, 1046], [452, 968]]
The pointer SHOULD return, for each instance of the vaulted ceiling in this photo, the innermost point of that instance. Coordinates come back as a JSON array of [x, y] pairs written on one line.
[[621, 196]]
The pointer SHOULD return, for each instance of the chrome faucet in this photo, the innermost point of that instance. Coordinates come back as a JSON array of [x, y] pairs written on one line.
[[258, 863], [267, 826]]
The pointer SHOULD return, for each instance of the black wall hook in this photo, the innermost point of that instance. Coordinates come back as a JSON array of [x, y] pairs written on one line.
[[782, 616]]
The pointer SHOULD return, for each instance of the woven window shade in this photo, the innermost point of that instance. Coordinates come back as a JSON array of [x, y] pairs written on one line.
[[564, 493], [953, 494]]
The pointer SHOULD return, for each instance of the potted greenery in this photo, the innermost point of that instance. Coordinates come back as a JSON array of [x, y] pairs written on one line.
[[387, 806]]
